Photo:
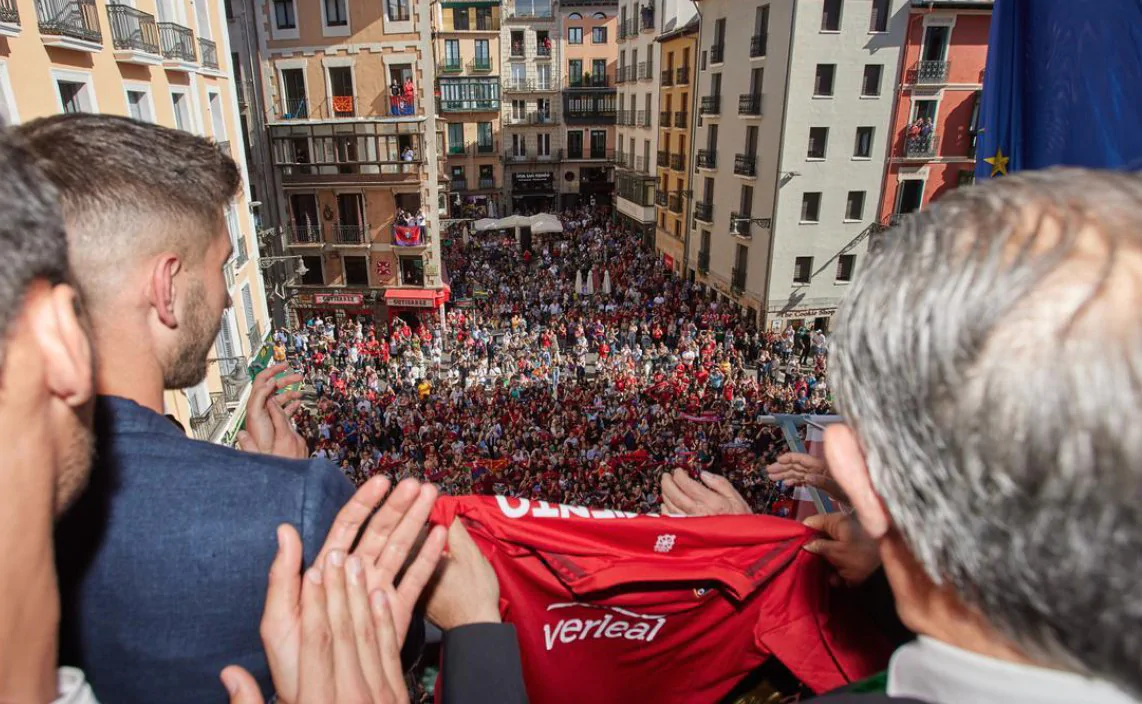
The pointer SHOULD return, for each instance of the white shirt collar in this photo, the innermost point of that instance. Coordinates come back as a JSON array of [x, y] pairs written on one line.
[[939, 673]]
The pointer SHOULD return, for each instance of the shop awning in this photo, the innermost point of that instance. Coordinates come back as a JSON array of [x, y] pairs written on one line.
[[416, 297]]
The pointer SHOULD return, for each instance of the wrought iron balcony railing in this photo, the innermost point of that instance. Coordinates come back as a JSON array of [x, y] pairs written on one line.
[[664, 118], [78, 19], [745, 165], [209, 51], [711, 105], [131, 29], [663, 158], [683, 77], [704, 211], [208, 421], [9, 13], [487, 184], [303, 234], [706, 159], [749, 104], [235, 376], [480, 65], [717, 53], [177, 42], [932, 71], [451, 66], [661, 198], [922, 146], [741, 224], [350, 234], [667, 77], [675, 203], [677, 162], [758, 45], [681, 118]]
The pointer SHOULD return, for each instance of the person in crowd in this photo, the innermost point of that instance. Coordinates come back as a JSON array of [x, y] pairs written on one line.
[[163, 561]]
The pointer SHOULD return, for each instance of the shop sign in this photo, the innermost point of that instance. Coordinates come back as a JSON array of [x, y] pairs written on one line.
[[806, 313], [668, 261], [411, 302], [339, 299]]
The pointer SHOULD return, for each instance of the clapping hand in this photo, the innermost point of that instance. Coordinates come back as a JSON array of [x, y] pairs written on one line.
[[268, 411], [713, 496], [800, 469]]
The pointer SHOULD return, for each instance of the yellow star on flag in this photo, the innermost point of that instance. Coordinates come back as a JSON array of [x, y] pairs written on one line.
[[998, 163]]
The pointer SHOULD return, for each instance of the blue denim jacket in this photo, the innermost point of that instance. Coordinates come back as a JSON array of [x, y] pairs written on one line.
[[163, 561]]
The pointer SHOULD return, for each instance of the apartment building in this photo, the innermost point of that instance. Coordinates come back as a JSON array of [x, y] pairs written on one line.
[[674, 162], [530, 50], [468, 47], [640, 24], [937, 103], [352, 130], [792, 143], [166, 62], [589, 54]]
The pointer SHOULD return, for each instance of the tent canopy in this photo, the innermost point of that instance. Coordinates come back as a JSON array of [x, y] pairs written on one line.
[[541, 224], [545, 223], [484, 225]]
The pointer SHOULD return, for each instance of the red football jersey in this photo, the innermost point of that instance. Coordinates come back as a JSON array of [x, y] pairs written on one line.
[[618, 607]]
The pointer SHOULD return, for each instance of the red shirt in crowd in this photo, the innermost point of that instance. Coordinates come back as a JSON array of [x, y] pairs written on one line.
[[614, 607]]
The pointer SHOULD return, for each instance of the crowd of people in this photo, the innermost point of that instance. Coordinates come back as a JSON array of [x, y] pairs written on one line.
[[534, 389]]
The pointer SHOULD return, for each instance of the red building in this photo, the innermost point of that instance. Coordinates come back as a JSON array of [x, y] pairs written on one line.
[[937, 103]]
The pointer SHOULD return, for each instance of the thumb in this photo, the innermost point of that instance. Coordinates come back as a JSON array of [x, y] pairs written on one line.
[[246, 443], [719, 484], [241, 686], [825, 548]]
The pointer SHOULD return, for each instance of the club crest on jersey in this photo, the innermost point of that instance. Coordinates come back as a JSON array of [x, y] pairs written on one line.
[[665, 542], [614, 624]]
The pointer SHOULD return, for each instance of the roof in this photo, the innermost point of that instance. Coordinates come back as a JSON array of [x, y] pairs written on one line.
[[690, 27]]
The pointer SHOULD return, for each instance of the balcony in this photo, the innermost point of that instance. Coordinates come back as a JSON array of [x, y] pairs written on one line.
[[303, 234], [647, 16], [675, 204], [520, 14], [209, 52], [667, 78], [70, 25], [644, 118], [749, 104], [543, 52], [757, 45], [529, 86], [540, 118], [621, 160], [645, 71], [710, 105], [9, 19], [460, 184], [740, 225], [683, 77], [922, 147], [177, 44], [661, 198], [256, 337], [704, 211], [485, 148], [681, 119], [663, 158], [207, 422], [717, 53], [241, 256], [295, 109], [134, 34], [235, 376], [624, 74], [450, 66], [704, 261], [480, 65], [737, 280], [492, 105], [932, 71], [350, 235], [593, 155], [664, 119], [745, 165], [598, 112], [706, 159], [514, 157], [677, 162], [487, 184], [586, 82]]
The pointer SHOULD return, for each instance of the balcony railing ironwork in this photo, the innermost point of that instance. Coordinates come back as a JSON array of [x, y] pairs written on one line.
[[717, 53], [209, 420], [740, 224], [757, 45], [745, 165], [177, 42], [522, 14], [704, 211], [303, 234], [646, 70], [529, 86], [451, 66], [683, 77], [661, 198], [343, 106], [459, 184], [711, 105], [487, 184], [664, 119], [663, 158], [922, 146], [681, 119], [209, 52], [131, 29], [480, 65], [350, 234], [675, 205], [241, 255], [749, 104], [932, 71], [9, 13], [647, 15], [543, 52], [78, 19], [667, 78], [706, 159], [587, 81], [256, 337], [295, 109], [235, 376], [677, 162]]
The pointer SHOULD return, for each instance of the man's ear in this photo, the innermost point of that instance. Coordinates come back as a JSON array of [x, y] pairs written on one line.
[[55, 316], [162, 287], [848, 467]]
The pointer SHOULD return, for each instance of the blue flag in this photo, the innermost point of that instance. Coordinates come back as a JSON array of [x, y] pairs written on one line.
[[1063, 86]]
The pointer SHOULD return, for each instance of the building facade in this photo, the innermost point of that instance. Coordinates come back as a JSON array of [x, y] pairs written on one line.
[[165, 62], [530, 51], [791, 149], [352, 131], [674, 162], [468, 47], [937, 103], [589, 54]]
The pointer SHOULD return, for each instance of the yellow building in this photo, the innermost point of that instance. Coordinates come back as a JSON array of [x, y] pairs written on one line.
[[679, 50], [164, 61], [347, 89], [468, 47]]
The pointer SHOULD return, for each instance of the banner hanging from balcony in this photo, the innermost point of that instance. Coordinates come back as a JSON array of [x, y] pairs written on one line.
[[343, 103], [408, 235]]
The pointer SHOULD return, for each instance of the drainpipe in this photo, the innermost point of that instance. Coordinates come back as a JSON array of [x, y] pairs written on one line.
[[689, 211]]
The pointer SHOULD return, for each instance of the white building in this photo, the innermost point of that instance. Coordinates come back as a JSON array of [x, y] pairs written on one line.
[[638, 78], [795, 108]]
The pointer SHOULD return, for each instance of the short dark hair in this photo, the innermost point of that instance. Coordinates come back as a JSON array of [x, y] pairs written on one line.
[[33, 242], [129, 188]]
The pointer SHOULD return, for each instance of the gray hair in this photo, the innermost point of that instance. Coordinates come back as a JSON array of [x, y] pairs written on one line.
[[989, 359]]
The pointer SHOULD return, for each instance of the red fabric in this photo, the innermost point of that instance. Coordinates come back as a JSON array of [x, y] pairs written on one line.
[[614, 607]]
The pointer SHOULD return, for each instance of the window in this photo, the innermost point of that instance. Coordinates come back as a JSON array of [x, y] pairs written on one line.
[[543, 108], [73, 95], [451, 54], [139, 106], [543, 76], [411, 271], [543, 144], [575, 35], [846, 263], [712, 139], [831, 16], [8, 113], [818, 139], [599, 144], [519, 110], [811, 207], [336, 13], [283, 14], [863, 147], [217, 119], [870, 85], [341, 88], [879, 20], [484, 19], [484, 136], [248, 307], [519, 145], [854, 206], [457, 174], [599, 72], [965, 177], [745, 203], [397, 10], [293, 82], [181, 103], [460, 19], [599, 35], [823, 85], [313, 274], [483, 53], [356, 271], [575, 144], [575, 16], [802, 270], [455, 138], [575, 71]]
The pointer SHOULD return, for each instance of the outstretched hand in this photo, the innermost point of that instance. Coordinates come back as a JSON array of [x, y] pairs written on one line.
[[800, 469], [713, 496]]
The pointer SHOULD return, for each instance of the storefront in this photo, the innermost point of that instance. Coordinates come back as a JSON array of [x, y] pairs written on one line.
[[815, 318], [415, 304], [340, 305], [533, 192]]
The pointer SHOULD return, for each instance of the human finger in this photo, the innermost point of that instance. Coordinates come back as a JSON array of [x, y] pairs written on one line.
[[353, 515], [292, 408], [284, 590], [695, 490], [241, 685], [316, 679], [388, 640], [724, 488], [385, 520], [368, 647], [246, 442], [347, 673], [678, 498], [402, 539], [420, 572]]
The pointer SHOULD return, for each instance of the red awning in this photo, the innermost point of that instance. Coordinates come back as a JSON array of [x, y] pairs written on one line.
[[415, 298]]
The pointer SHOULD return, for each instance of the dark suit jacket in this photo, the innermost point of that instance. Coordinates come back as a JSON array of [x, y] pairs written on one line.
[[163, 561]]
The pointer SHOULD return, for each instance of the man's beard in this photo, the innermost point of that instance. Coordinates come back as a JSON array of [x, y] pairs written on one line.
[[198, 334]]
